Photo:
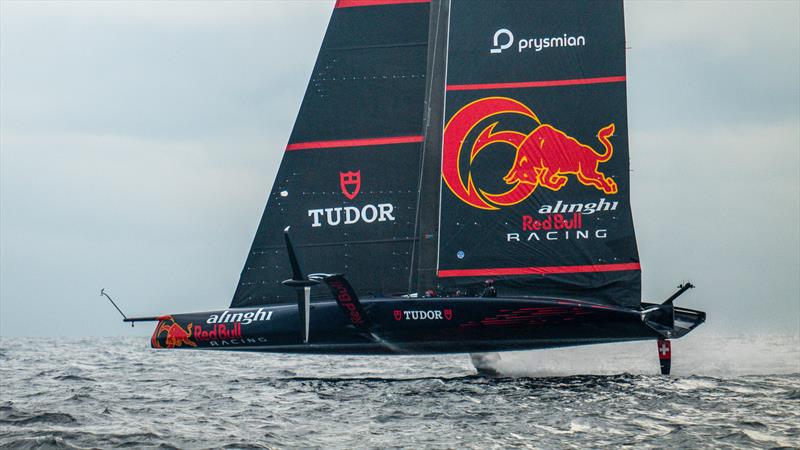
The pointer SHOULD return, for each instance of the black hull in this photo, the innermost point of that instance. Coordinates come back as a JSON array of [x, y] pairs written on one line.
[[410, 326]]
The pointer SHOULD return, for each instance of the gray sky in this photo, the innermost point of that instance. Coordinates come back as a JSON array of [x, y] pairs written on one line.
[[138, 142]]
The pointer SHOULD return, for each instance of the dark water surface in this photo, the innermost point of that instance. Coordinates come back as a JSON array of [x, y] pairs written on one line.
[[116, 392]]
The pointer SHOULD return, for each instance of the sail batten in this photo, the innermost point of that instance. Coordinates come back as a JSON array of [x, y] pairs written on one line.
[[535, 84], [538, 270], [362, 3], [363, 142]]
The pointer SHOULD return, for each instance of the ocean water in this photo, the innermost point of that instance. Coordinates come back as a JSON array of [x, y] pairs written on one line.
[[725, 392]]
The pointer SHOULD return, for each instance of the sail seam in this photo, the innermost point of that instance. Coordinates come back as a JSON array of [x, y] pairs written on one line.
[[379, 46], [535, 84], [540, 270], [366, 142], [334, 244]]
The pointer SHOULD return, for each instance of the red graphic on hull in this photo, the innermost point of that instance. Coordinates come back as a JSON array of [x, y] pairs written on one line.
[[544, 315], [346, 301], [172, 334], [218, 331]]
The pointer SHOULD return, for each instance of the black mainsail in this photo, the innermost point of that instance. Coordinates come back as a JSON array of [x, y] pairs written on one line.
[[535, 151], [404, 184], [349, 177], [439, 144]]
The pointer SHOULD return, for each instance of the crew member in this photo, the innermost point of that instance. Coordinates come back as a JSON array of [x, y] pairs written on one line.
[[488, 289]]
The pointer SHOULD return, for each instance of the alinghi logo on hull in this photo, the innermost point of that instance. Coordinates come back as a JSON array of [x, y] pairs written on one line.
[[245, 318]]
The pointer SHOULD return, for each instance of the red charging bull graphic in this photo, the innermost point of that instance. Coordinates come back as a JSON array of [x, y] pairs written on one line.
[[544, 157], [172, 334]]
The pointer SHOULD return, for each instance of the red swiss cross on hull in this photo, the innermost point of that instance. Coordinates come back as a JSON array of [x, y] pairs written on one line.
[[350, 183]]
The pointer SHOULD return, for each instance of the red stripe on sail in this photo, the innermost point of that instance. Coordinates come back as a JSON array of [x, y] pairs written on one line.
[[355, 3], [354, 143], [539, 270], [535, 84]]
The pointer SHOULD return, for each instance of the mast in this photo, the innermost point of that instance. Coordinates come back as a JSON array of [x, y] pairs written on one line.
[[427, 224]]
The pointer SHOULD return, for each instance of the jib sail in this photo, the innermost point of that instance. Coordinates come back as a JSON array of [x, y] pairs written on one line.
[[348, 181], [534, 159]]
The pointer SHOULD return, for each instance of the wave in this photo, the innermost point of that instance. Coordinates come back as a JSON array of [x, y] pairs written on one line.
[[72, 378], [51, 418]]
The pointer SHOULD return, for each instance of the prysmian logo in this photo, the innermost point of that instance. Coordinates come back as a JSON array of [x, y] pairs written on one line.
[[504, 39], [502, 35]]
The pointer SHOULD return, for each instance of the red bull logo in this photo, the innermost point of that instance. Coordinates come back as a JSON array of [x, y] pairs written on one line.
[[170, 334], [544, 157], [218, 331], [346, 301]]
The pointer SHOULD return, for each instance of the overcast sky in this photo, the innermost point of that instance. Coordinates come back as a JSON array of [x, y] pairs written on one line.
[[138, 142]]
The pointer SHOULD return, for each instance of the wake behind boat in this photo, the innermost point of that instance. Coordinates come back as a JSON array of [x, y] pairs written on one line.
[[457, 180]]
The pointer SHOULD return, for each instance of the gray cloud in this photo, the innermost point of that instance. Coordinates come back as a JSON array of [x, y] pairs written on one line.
[[727, 63]]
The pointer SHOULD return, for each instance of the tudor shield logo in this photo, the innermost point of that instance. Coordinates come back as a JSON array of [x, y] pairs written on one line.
[[350, 183]]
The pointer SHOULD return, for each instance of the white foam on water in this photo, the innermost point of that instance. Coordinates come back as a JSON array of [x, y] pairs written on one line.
[[696, 354], [767, 439]]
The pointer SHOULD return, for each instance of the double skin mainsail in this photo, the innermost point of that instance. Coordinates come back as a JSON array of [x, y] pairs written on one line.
[[457, 180]]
